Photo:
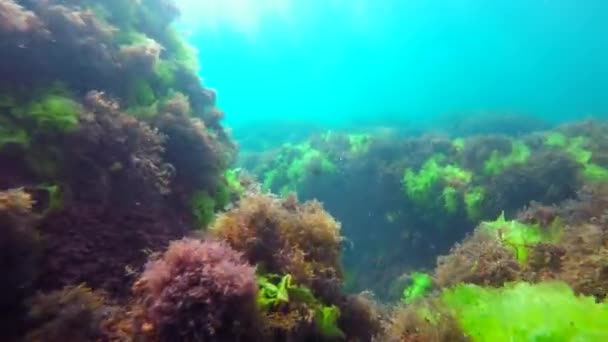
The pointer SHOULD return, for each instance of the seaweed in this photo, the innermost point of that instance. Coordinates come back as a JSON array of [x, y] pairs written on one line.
[[199, 290], [507, 314], [421, 282]]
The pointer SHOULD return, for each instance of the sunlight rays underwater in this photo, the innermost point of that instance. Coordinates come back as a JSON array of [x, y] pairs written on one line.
[[335, 62]]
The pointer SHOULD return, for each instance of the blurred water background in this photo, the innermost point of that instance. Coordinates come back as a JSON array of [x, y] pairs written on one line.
[[285, 68]]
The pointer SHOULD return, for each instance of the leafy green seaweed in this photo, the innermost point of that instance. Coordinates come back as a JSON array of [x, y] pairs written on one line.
[[527, 312]]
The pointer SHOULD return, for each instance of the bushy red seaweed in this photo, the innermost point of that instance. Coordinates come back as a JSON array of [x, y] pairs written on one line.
[[199, 291]]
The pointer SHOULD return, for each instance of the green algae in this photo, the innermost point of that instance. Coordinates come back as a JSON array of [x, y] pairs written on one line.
[[450, 199], [275, 289], [421, 186], [526, 312], [359, 143], [578, 149], [497, 162], [203, 208], [519, 237], [421, 283], [473, 199], [294, 165]]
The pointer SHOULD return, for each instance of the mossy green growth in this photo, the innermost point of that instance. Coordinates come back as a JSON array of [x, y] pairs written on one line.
[[473, 200], [450, 199], [140, 93], [556, 139], [183, 53], [51, 112], [308, 159], [165, 72], [521, 236], [359, 143], [497, 162], [578, 149], [269, 179], [594, 172], [182, 58], [458, 144], [130, 37], [12, 134], [203, 208], [419, 186], [228, 189], [453, 174], [232, 179], [421, 283], [526, 312], [293, 165], [223, 196]]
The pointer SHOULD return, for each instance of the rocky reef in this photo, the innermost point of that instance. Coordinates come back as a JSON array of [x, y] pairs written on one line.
[[123, 219], [405, 200], [114, 164]]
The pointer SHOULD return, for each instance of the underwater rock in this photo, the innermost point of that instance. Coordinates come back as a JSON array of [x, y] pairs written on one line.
[[112, 150], [102, 247], [72, 314], [20, 251], [548, 178]]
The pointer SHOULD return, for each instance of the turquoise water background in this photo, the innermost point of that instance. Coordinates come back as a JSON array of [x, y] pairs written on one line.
[[401, 62]]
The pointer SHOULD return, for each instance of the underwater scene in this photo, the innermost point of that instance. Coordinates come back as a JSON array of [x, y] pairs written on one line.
[[303, 170]]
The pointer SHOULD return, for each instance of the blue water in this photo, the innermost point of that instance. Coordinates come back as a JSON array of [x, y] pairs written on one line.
[[388, 62]]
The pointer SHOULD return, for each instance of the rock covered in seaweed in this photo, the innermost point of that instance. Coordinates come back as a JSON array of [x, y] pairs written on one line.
[[103, 248], [84, 93], [74, 313], [20, 249]]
